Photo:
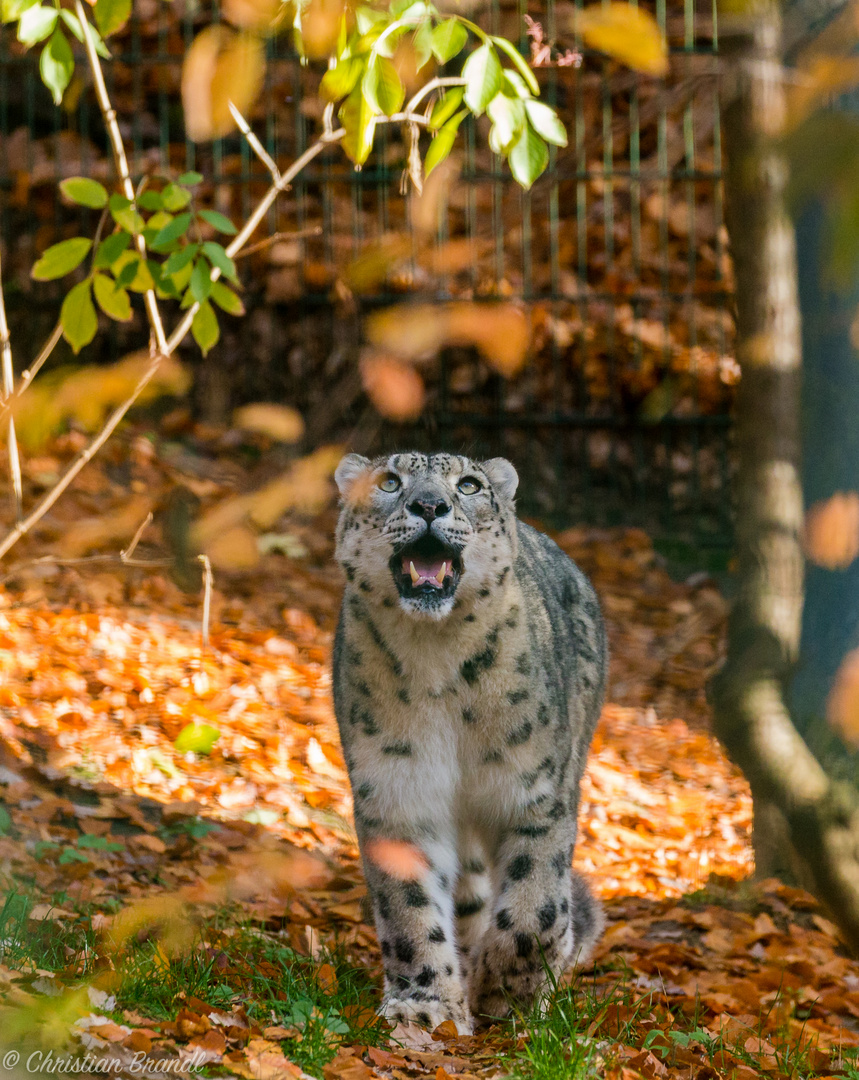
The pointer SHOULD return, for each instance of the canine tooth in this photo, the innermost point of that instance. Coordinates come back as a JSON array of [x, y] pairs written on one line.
[[415, 575], [440, 575]]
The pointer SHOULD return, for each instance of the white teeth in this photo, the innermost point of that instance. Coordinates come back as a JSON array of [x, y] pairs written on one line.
[[440, 575], [415, 575]]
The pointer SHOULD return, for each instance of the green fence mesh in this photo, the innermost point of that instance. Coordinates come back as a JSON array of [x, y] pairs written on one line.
[[618, 253]]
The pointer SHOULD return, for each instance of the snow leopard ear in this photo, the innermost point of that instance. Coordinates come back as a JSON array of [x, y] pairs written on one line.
[[502, 476], [348, 471]]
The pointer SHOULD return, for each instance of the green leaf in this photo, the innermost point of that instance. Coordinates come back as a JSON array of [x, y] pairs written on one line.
[[508, 118], [149, 200], [69, 855], [84, 192], [61, 258], [366, 18], [155, 224], [171, 232], [545, 121], [528, 158], [422, 44], [205, 329], [36, 23], [448, 39], [443, 142], [190, 179], [109, 250], [382, 87], [123, 213], [218, 257], [5, 821], [180, 259], [57, 64], [201, 283], [12, 10], [219, 222], [71, 21], [77, 316], [112, 299], [357, 118], [196, 738], [515, 85], [517, 58], [482, 74], [226, 299], [174, 198], [445, 107], [111, 15], [338, 82], [133, 273], [98, 843]]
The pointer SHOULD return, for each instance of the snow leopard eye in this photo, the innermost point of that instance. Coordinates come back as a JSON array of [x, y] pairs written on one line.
[[468, 486], [389, 483]]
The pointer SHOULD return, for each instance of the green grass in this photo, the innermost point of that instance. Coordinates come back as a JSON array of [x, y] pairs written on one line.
[[225, 961]]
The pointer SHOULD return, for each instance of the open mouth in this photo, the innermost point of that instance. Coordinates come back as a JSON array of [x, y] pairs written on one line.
[[428, 569]]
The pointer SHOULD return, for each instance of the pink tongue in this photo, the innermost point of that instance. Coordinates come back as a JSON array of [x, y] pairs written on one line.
[[427, 569]]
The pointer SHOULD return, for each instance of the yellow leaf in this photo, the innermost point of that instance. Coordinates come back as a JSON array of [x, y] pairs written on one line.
[[817, 82], [501, 332], [279, 422], [320, 27], [831, 533], [251, 14], [626, 33], [395, 389], [304, 487], [221, 66], [235, 549]]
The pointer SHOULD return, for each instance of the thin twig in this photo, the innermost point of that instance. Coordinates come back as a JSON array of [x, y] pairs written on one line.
[[30, 373], [208, 580], [120, 160], [433, 84], [250, 226], [27, 376], [110, 426], [135, 540], [275, 238], [56, 560], [8, 390]]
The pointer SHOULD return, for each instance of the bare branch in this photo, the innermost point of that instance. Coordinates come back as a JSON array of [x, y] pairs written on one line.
[[121, 161], [8, 390], [112, 423], [208, 580], [275, 238], [30, 373], [126, 554]]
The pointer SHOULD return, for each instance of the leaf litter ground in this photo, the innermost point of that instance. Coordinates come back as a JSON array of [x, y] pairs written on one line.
[[208, 908]]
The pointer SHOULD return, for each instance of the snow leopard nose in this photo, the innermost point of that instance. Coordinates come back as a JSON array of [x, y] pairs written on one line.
[[429, 507]]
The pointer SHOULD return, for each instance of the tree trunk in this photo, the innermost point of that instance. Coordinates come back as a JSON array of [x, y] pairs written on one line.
[[794, 798]]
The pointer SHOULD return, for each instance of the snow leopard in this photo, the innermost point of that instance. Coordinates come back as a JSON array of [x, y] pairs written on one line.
[[469, 671]]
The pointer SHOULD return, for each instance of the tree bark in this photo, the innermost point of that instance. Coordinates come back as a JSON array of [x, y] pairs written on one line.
[[796, 804]]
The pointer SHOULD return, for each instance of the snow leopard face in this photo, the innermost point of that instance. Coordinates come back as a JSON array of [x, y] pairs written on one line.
[[426, 531]]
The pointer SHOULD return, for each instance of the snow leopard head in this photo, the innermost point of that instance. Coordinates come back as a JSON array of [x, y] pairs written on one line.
[[426, 530]]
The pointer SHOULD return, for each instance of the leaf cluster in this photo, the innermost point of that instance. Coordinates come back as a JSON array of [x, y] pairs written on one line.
[[52, 24], [176, 262], [366, 81]]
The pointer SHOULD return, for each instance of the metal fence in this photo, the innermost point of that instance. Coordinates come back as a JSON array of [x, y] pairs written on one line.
[[619, 251]]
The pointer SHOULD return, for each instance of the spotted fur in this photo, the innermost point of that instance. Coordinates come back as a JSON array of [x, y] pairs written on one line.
[[465, 720]]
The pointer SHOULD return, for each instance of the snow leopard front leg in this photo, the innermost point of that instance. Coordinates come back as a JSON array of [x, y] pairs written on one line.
[[414, 915], [543, 917]]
